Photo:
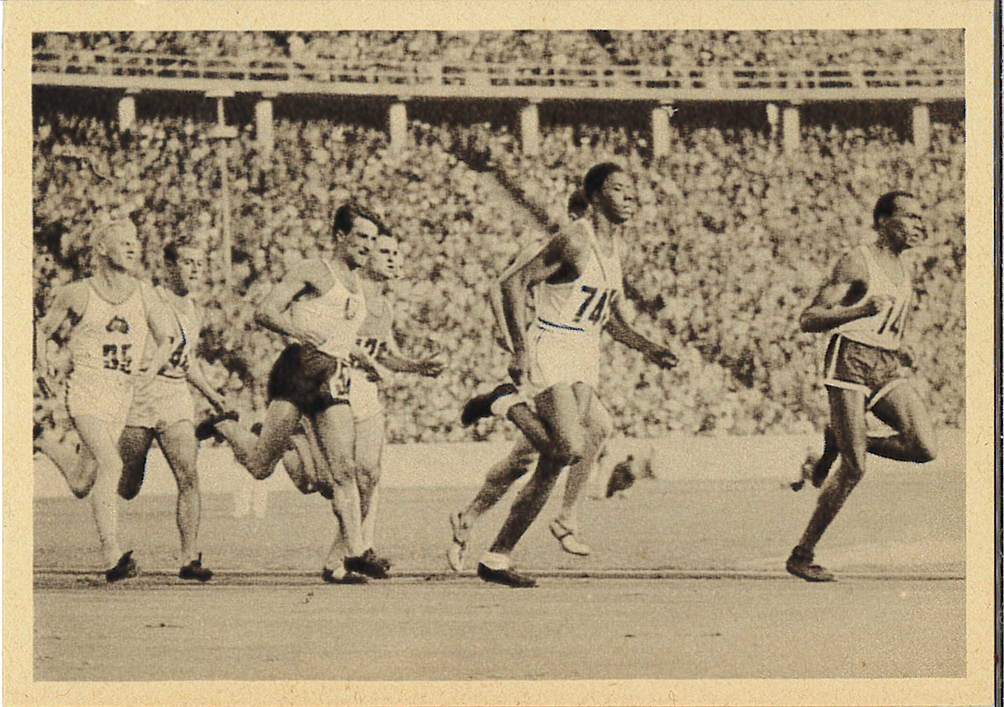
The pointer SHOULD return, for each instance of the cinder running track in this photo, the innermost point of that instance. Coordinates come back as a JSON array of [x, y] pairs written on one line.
[[686, 581]]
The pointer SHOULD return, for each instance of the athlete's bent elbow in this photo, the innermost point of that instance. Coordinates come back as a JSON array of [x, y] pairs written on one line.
[[808, 323]]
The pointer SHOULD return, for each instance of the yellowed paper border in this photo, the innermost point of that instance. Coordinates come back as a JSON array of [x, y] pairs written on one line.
[[21, 18]]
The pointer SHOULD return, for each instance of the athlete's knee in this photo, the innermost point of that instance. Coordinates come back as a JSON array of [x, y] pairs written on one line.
[[368, 476], [187, 480], [852, 469], [129, 487], [343, 470], [83, 487]]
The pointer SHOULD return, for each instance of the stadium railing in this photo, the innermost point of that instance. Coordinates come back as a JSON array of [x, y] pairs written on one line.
[[530, 81]]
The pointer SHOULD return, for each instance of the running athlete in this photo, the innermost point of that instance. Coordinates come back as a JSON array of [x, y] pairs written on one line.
[[580, 281], [319, 305], [110, 315], [508, 402], [163, 409], [863, 308], [377, 339]]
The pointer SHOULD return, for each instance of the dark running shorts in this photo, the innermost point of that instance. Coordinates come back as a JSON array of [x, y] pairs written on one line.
[[852, 365], [313, 381]]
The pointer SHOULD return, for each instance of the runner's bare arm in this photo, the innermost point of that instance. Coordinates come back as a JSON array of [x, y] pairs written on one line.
[[561, 253], [197, 377], [621, 331], [68, 301], [830, 309], [164, 329], [390, 357], [274, 311]]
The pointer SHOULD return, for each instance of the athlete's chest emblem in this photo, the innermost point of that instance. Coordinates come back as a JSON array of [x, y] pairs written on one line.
[[117, 324], [352, 307]]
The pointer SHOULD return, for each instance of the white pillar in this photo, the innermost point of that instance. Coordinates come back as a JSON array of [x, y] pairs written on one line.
[[660, 131], [397, 117], [773, 117], [263, 126], [791, 126], [127, 113], [922, 127], [529, 129]]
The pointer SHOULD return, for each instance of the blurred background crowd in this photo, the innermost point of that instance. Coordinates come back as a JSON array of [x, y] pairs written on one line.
[[732, 240], [686, 48]]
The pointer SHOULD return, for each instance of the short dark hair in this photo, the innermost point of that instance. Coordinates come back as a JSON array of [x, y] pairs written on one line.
[[172, 247], [596, 177], [886, 204], [577, 204], [345, 219]]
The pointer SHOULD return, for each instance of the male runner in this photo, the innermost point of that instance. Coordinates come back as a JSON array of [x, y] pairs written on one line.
[[376, 338], [110, 315], [319, 305], [164, 408], [580, 281], [506, 401], [863, 307]]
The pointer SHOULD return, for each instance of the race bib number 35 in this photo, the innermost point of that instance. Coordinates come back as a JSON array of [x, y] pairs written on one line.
[[117, 358]]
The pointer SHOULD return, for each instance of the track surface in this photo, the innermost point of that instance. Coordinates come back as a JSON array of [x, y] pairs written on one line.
[[686, 581]]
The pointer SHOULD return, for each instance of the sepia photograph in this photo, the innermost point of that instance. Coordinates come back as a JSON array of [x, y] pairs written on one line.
[[474, 357]]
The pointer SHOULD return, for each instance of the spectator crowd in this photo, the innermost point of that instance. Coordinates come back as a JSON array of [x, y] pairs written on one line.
[[732, 239], [678, 48]]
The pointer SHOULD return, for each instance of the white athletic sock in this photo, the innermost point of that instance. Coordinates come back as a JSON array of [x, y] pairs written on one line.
[[495, 561]]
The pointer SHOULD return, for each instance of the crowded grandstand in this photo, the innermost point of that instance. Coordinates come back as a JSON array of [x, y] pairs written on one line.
[[733, 235]]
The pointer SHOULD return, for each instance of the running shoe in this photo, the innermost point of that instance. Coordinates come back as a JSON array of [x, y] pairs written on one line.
[[800, 564], [126, 568], [371, 555], [365, 566], [507, 577], [480, 406], [195, 570], [457, 553], [330, 577], [566, 536]]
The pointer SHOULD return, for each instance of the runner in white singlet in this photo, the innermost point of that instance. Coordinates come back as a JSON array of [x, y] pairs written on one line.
[[111, 314], [524, 453], [320, 306], [577, 277], [864, 308], [164, 409], [376, 338]]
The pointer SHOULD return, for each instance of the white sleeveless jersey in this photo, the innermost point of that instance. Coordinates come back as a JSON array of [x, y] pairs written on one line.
[[189, 324], [377, 328], [883, 330], [334, 317], [110, 337], [581, 305]]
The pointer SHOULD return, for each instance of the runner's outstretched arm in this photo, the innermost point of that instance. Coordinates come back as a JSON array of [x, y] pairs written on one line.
[[621, 331]]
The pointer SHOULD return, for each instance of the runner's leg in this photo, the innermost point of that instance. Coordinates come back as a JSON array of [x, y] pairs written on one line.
[[260, 454], [134, 445], [181, 451], [103, 444], [336, 435], [560, 410], [78, 466], [903, 410], [847, 413], [369, 453]]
